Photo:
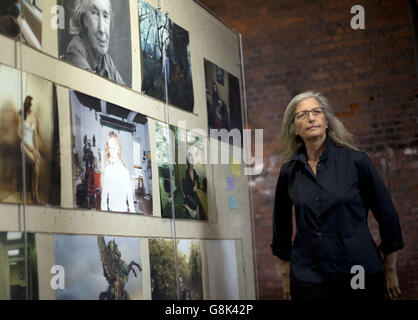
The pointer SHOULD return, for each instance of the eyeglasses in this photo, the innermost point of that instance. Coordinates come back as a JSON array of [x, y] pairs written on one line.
[[302, 115]]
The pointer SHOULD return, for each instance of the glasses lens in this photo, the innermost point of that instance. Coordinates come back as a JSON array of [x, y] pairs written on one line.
[[300, 115], [316, 112], [303, 114]]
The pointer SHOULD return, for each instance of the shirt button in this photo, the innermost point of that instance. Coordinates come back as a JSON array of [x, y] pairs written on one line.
[[317, 198], [319, 234]]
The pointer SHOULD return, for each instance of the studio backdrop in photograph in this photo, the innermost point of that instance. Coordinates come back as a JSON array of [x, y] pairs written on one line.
[[112, 156]]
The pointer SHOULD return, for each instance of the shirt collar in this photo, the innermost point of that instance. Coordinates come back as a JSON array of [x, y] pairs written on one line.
[[98, 68], [300, 154]]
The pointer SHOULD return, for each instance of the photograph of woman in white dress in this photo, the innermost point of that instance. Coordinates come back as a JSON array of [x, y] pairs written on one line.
[[29, 129], [30, 144], [117, 191]]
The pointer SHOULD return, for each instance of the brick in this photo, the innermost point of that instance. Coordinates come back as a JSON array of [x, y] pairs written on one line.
[[370, 81]]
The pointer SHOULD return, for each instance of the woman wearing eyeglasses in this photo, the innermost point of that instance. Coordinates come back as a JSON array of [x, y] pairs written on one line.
[[331, 186]]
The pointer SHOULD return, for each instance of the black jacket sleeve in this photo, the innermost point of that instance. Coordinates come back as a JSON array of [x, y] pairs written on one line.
[[376, 198], [282, 217]]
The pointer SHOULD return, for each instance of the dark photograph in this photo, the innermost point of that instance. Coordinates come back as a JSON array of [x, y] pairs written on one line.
[[28, 114], [21, 20], [223, 99], [112, 156], [15, 281], [165, 56], [97, 38]]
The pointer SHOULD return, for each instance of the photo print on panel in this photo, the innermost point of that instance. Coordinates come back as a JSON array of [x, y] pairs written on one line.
[[165, 46], [99, 267], [22, 20], [163, 269], [14, 280], [40, 137], [223, 100], [97, 38], [188, 173], [222, 273], [112, 156]]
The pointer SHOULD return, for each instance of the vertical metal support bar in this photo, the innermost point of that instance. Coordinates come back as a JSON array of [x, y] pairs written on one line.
[[249, 176]]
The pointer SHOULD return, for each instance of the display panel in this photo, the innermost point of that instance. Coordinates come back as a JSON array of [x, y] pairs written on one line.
[[112, 156], [165, 44], [97, 38], [40, 138], [15, 282], [87, 118], [163, 269], [188, 173], [99, 268], [223, 99]]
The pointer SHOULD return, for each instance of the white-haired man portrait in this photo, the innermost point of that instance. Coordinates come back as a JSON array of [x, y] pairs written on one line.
[[90, 25]]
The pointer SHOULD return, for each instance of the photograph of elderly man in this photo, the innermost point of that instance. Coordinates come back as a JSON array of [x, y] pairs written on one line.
[[95, 39]]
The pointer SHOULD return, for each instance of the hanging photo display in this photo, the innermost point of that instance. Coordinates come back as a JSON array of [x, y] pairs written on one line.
[[112, 156], [223, 99], [99, 267], [16, 281], [97, 37], [163, 270], [188, 173], [21, 20], [165, 46], [38, 129]]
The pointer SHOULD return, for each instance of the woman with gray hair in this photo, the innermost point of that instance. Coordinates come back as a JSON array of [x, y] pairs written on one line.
[[331, 186], [91, 25]]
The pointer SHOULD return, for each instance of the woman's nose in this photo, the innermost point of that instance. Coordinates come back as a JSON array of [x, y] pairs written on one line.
[[100, 26]]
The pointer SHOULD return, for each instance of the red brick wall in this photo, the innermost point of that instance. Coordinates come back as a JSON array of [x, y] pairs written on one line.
[[370, 79]]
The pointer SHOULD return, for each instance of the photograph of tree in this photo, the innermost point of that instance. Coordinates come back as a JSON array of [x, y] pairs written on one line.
[[38, 129], [22, 20], [188, 173], [112, 156], [97, 38], [14, 279], [164, 44], [99, 267], [163, 270], [223, 99]]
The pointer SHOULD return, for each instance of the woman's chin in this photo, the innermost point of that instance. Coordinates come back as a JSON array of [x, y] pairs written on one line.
[[315, 134]]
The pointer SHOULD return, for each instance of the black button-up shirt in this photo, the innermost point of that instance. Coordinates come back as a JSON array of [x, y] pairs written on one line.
[[331, 210]]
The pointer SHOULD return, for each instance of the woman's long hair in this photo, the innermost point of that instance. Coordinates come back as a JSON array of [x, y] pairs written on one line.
[[289, 142], [114, 136], [26, 106], [189, 154]]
